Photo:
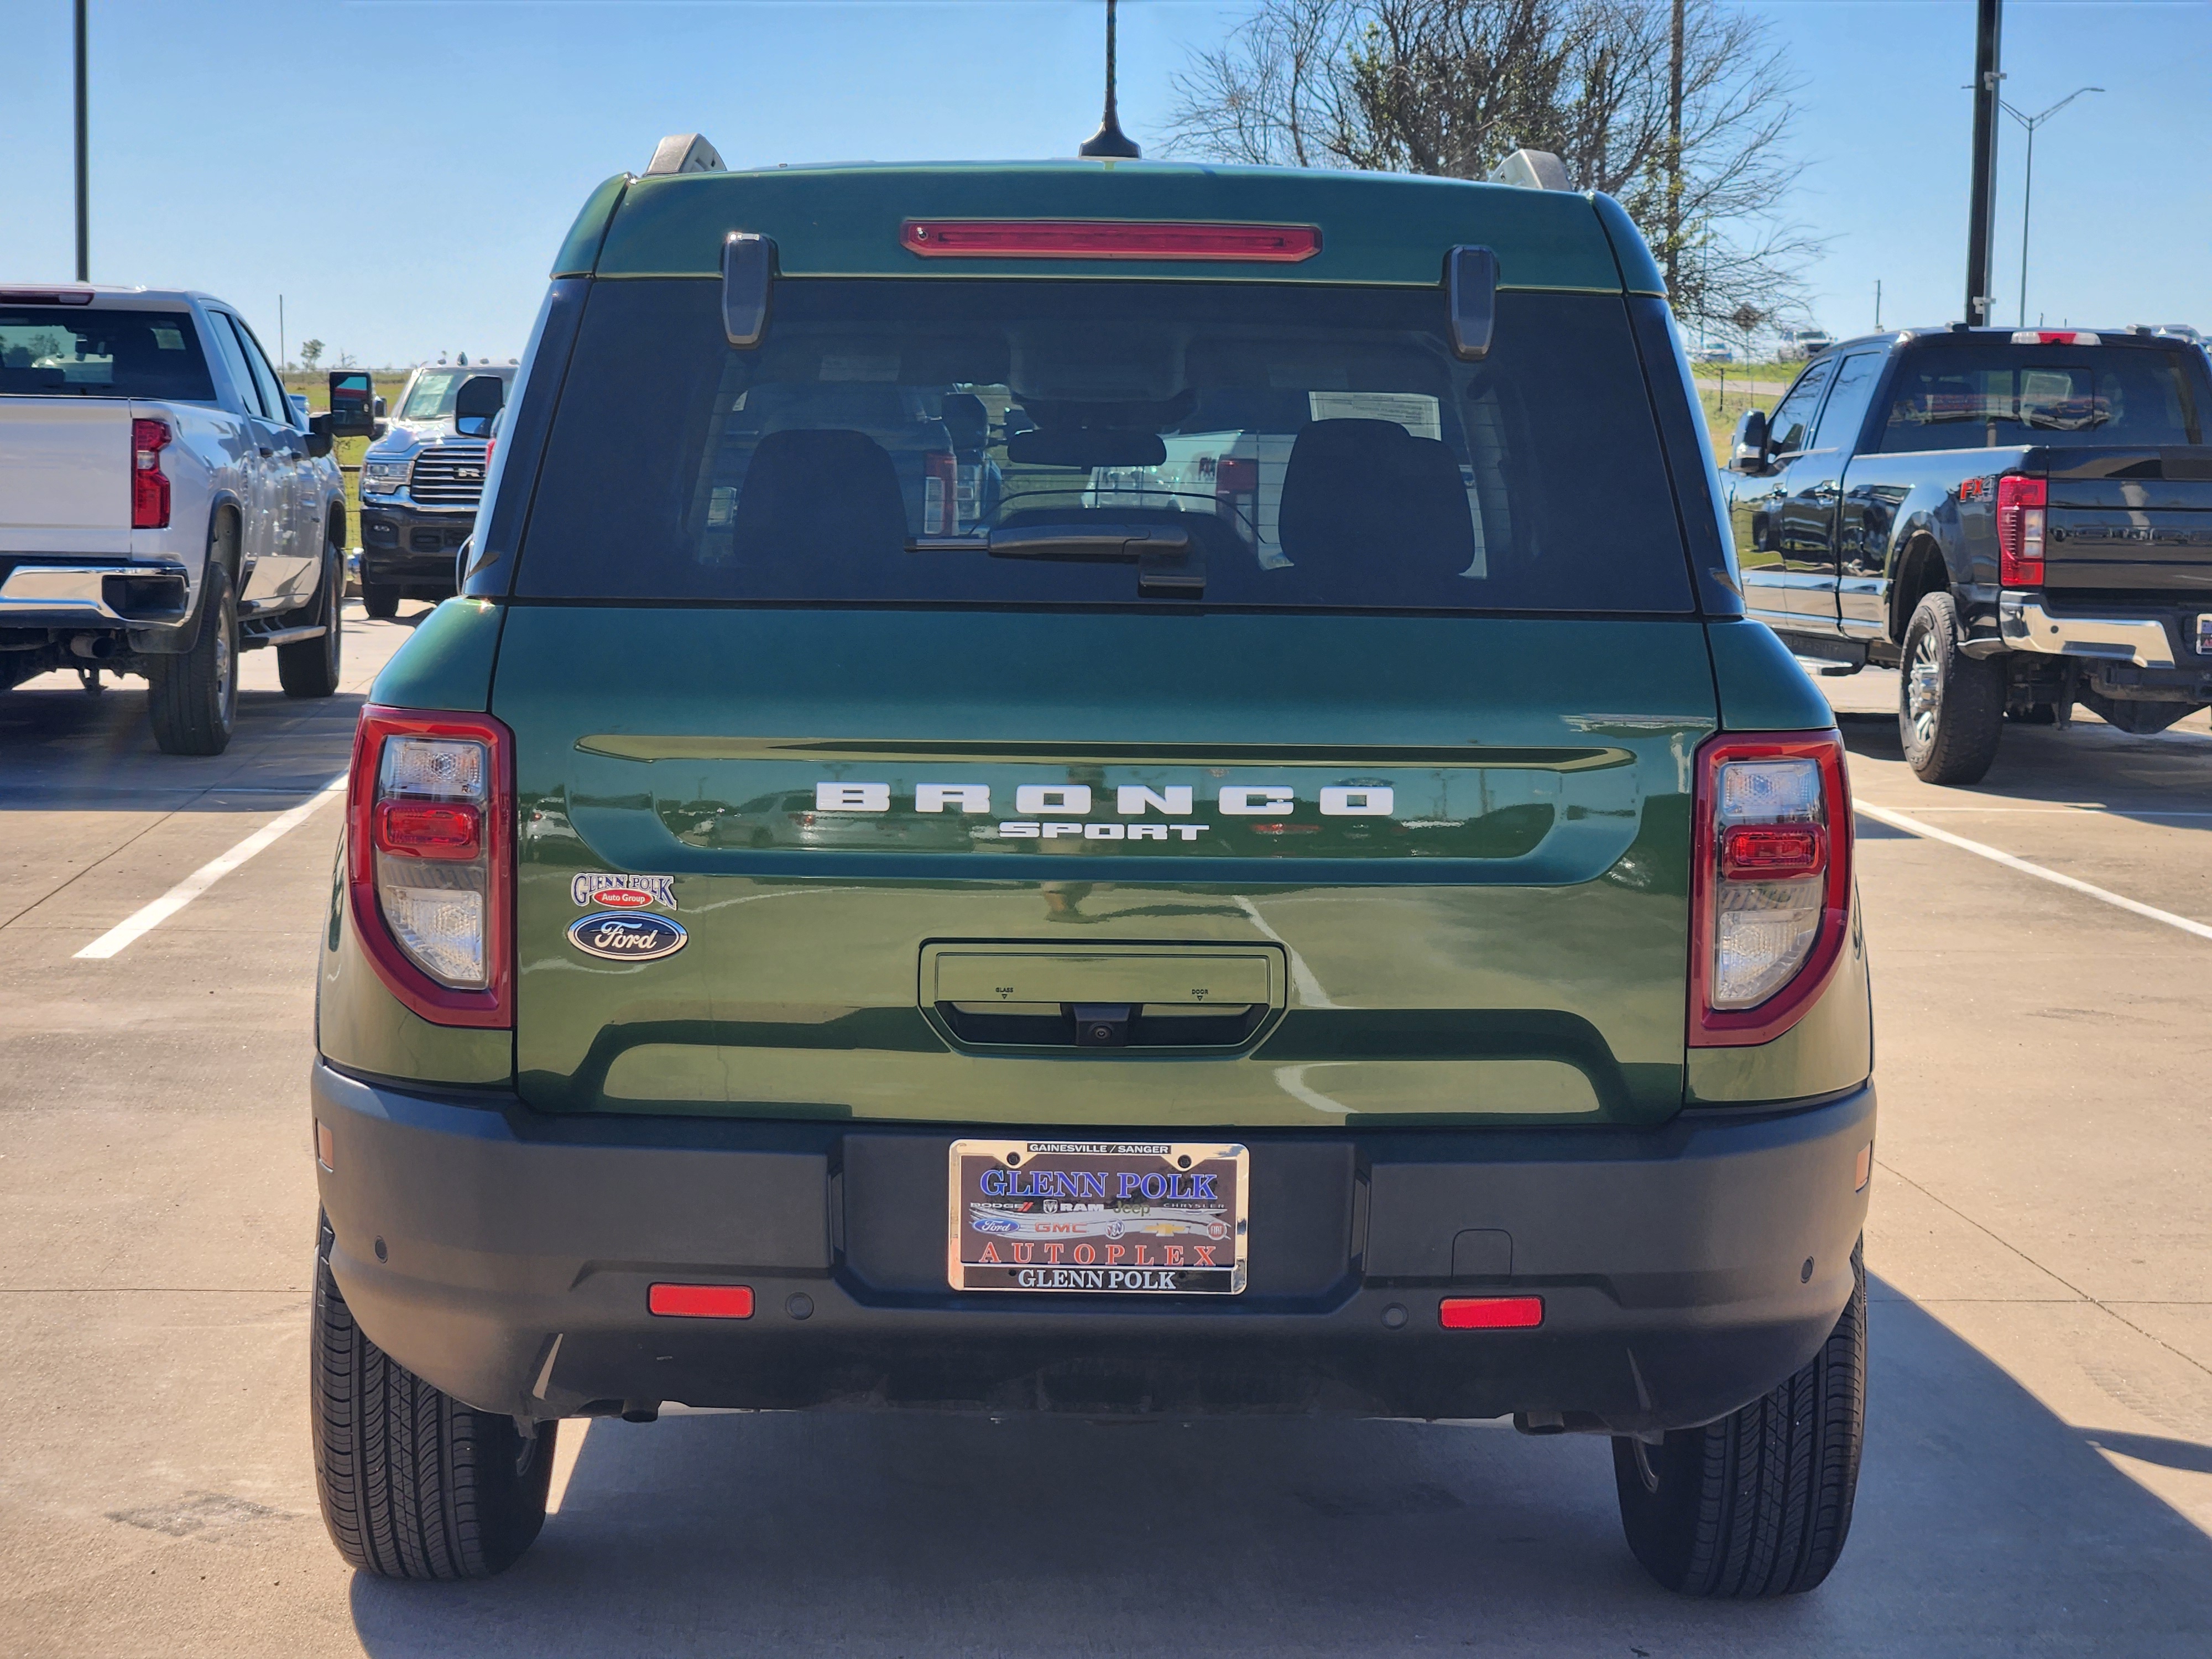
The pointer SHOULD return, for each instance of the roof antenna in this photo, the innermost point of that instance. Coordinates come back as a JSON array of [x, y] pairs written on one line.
[[1110, 139]]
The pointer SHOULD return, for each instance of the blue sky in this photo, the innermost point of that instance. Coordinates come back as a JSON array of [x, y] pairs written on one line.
[[402, 170]]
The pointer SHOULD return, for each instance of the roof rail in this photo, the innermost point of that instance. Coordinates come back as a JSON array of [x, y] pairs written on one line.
[[1532, 169], [684, 152]]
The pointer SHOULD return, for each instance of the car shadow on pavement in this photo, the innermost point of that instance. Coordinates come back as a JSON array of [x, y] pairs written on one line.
[[2163, 779], [1985, 1525], [61, 750]]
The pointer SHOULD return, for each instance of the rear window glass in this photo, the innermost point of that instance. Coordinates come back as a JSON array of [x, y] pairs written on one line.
[[982, 441], [65, 351], [1984, 395]]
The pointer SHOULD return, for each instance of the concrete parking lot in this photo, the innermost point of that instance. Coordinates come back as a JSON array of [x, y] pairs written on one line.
[[2040, 1465]]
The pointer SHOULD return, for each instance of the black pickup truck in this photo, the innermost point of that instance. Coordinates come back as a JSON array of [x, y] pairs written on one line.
[[2020, 520]]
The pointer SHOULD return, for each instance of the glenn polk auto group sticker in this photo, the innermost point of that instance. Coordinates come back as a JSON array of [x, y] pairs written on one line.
[[622, 891]]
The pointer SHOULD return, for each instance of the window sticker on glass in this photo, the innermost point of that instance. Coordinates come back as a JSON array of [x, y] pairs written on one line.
[[1416, 412], [168, 339]]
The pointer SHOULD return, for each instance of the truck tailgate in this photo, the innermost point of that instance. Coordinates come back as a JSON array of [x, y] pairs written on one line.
[[2136, 522], [64, 475], [1488, 923]]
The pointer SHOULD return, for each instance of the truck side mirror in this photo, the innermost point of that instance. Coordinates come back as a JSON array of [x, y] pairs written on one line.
[[477, 403], [352, 395], [1747, 454], [318, 436]]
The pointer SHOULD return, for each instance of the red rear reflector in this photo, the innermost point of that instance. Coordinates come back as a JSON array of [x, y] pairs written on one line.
[[1106, 239], [1491, 1313], [150, 485], [701, 1301], [427, 830], [1773, 851]]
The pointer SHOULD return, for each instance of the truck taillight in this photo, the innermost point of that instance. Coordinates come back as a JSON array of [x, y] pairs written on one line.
[[1236, 494], [431, 860], [1770, 884], [150, 485], [940, 495], [2021, 503]]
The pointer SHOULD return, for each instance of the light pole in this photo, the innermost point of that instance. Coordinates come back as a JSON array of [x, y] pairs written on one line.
[[2027, 193], [83, 162]]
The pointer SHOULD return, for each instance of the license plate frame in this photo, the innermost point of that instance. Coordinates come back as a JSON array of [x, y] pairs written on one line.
[[1184, 1232]]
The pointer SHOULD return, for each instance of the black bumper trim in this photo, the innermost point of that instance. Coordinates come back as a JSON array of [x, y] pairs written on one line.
[[1685, 1268]]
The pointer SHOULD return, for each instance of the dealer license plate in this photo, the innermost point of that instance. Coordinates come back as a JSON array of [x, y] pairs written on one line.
[[1112, 1217]]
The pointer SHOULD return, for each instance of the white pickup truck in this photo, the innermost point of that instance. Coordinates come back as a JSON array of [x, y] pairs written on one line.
[[163, 505]]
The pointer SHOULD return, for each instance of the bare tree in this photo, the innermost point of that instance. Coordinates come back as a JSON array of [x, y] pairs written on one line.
[[1451, 87]]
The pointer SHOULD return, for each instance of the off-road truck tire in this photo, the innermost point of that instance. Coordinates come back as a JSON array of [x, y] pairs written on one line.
[[1760, 1503], [1950, 706], [380, 599], [310, 669], [191, 700], [414, 1484]]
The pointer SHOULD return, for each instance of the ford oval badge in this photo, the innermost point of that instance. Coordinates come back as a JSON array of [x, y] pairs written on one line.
[[627, 939]]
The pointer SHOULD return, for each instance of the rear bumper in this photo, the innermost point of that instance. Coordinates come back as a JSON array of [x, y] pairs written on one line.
[[504, 1255], [2026, 621], [100, 594]]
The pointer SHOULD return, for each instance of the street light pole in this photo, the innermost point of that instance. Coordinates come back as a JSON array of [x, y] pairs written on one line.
[[2027, 194], [83, 162]]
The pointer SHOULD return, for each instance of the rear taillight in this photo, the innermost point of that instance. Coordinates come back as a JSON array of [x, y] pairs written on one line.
[[150, 485], [1770, 883], [431, 860], [1236, 494], [940, 495], [2020, 507]]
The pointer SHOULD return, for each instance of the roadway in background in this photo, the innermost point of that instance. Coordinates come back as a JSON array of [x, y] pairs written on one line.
[[2038, 1475]]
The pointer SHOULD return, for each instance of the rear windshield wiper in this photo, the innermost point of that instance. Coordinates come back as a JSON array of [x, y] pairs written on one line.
[[1167, 565]]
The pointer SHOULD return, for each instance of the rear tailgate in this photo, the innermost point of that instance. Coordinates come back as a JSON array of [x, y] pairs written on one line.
[[2129, 523], [1489, 924], [64, 475]]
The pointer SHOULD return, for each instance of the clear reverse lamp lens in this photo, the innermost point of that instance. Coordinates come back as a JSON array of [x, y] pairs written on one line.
[[1762, 932], [433, 768], [1770, 792], [437, 913]]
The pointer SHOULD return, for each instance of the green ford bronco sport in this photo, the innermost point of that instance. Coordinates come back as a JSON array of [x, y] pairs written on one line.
[[1098, 787]]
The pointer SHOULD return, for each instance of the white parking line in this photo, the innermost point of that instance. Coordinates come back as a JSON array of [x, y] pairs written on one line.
[[152, 915], [1913, 826]]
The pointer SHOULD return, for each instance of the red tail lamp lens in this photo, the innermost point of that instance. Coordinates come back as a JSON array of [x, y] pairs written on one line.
[[1107, 239], [1491, 1313], [451, 830], [150, 485], [700, 1301], [1772, 850], [2021, 511]]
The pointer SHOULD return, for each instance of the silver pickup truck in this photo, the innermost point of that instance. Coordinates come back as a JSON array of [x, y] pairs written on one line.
[[163, 505]]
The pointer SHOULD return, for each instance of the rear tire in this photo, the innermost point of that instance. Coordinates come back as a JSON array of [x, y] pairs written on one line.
[[1758, 1503], [191, 700], [414, 1484], [380, 599], [310, 669], [1950, 706]]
